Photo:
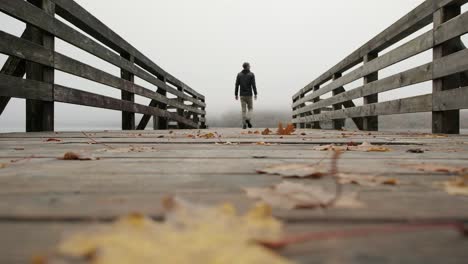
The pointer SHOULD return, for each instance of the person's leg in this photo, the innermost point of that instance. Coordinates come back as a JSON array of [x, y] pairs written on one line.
[[244, 110], [250, 111]]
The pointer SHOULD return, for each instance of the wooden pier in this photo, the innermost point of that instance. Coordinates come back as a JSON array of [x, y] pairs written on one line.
[[44, 198]]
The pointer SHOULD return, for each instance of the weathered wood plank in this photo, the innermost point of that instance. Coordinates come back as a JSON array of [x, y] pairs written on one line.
[[73, 96], [413, 76], [371, 123], [23, 88], [405, 51], [408, 105], [453, 99]]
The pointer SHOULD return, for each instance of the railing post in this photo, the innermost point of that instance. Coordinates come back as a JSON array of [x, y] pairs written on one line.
[[40, 114], [338, 124], [128, 118], [302, 124], [203, 122], [316, 125], [161, 123], [371, 123], [445, 122], [181, 112]]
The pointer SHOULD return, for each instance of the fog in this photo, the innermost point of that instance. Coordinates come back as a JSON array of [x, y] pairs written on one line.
[[205, 42]]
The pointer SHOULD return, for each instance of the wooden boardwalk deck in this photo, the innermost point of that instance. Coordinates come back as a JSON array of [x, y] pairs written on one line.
[[43, 198]]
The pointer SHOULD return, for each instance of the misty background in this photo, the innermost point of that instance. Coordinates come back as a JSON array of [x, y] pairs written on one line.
[[205, 42]]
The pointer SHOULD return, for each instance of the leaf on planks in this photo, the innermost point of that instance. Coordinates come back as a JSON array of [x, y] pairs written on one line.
[[365, 180], [3, 165], [436, 168], [53, 140], [189, 234], [296, 170], [287, 131], [289, 195], [368, 147], [77, 156], [456, 186]]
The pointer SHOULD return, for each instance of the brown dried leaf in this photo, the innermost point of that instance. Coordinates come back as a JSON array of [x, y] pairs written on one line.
[[76, 156], [296, 170], [53, 140], [3, 165], [368, 147], [331, 147], [289, 195], [457, 186], [208, 135], [285, 131], [266, 132], [365, 180], [437, 168]]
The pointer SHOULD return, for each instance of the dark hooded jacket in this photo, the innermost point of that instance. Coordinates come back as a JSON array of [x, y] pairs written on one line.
[[246, 81]]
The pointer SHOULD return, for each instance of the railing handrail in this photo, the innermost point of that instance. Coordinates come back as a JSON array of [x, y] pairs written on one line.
[[450, 62], [40, 14]]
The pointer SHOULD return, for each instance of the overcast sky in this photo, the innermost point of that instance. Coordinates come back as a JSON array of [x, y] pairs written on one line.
[[205, 42]]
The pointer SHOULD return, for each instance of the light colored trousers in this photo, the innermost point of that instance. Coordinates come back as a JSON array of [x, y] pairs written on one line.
[[247, 108]]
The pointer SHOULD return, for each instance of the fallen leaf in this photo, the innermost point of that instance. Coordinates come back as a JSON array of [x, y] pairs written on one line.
[[189, 234], [289, 195], [53, 140], [208, 136], [331, 147], [19, 148], [76, 156], [436, 168], [417, 151], [266, 132], [365, 180], [290, 128], [257, 132], [296, 170], [3, 165], [368, 147], [457, 186]]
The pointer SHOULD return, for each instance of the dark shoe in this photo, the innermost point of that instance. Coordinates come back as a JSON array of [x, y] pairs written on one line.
[[249, 124], [244, 127]]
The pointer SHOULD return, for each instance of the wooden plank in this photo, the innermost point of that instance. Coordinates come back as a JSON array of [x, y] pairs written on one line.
[[418, 18], [73, 96], [446, 121], [81, 18], [31, 14], [453, 99], [415, 104], [413, 76], [18, 87], [371, 123], [338, 123], [405, 51]]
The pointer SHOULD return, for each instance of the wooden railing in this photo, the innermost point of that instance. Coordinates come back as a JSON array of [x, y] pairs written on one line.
[[447, 71], [33, 55]]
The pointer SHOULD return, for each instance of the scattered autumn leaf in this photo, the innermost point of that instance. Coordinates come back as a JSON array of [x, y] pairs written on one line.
[[53, 140], [457, 186], [436, 168], [266, 132], [290, 128], [331, 147], [289, 195], [3, 165], [76, 156], [368, 147], [416, 151], [18, 149], [296, 170], [365, 180], [189, 234], [208, 135]]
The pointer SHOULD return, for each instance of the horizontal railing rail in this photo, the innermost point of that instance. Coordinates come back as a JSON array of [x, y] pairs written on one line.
[[448, 73], [33, 54]]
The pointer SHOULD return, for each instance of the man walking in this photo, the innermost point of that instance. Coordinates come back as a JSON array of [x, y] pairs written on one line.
[[246, 81]]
